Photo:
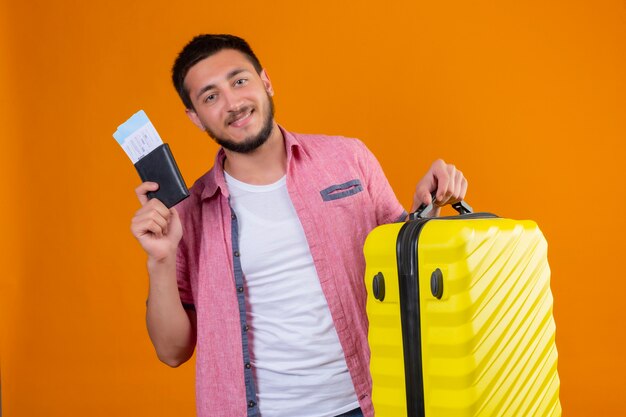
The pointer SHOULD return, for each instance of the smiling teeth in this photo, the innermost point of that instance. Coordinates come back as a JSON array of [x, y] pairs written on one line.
[[248, 113]]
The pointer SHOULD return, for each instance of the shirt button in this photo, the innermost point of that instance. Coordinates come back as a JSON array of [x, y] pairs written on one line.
[[248, 366], [236, 254], [251, 404], [240, 289], [232, 216], [246, 328]]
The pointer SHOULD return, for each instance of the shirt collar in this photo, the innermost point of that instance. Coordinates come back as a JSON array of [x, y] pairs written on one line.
[[214, 179]]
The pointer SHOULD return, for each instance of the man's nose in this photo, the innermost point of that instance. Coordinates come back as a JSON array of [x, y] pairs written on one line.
[[232, 100]]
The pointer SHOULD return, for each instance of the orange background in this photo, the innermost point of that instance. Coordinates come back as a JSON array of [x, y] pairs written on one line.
[[527, 98]]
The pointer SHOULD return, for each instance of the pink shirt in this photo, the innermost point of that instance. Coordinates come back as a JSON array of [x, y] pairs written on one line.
[[340, 194]]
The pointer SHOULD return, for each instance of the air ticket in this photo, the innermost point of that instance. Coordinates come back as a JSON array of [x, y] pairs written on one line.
[[137, 136]]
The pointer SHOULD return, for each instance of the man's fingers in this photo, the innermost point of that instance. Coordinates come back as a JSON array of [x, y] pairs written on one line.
[[153, 226], [463, 188], [143, 190], [158, 206], [450, 184], [442, 175], [458, 189], [444, 180], [151, 218], [173, 215], [452, 191], [427, 198], [160, 221], [147, 224]]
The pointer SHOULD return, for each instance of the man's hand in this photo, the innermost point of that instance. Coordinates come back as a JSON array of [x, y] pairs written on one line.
[[448, 182], [157, 228]]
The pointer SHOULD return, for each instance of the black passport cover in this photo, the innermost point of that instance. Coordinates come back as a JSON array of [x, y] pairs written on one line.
[[159, 166]]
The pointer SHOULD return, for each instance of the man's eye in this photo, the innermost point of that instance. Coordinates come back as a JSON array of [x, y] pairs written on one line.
[[241, 81], [210, 97]]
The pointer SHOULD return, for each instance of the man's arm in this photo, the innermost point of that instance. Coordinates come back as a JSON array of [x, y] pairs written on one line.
[[448, 182], [158, 229]]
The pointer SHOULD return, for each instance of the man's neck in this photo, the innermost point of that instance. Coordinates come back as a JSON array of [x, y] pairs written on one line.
[[265, 165]]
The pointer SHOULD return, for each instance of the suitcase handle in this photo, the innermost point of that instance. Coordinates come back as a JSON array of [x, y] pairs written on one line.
[[462, 207]]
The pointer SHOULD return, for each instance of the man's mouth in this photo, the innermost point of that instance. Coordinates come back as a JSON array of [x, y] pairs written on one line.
[[241, 118]]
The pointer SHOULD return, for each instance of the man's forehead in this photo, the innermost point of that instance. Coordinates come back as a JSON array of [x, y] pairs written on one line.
[[220, 65], [224, 60]]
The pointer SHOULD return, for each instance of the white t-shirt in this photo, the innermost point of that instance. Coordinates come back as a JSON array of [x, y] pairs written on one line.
[[299, 365]]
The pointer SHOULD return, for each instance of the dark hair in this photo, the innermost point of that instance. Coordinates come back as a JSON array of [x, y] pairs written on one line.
[[201, 47]]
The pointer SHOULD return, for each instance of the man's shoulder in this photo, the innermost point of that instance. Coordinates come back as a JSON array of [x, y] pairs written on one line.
[[316, 139], [327, 144]]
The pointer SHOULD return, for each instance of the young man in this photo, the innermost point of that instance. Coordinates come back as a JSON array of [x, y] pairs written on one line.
[[261, 268]]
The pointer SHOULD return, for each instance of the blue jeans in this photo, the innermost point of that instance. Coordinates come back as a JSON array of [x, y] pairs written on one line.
[[354, 413]]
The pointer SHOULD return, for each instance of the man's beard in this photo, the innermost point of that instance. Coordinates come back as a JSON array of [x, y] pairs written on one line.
[[250, 143]]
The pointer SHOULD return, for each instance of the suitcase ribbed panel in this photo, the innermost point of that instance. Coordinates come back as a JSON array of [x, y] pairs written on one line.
[[488, 344], [385, 328]]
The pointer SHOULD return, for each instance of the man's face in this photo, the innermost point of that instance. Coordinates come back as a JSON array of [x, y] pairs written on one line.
[[231, 101]]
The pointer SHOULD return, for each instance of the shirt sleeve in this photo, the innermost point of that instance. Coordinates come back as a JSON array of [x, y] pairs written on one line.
[[182, 266], [386, 205]]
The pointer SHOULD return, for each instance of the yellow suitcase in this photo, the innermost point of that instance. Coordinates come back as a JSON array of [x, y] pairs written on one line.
[[460, 318]]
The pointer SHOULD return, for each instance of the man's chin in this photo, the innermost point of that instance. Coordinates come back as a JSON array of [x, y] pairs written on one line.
[[246, 146]]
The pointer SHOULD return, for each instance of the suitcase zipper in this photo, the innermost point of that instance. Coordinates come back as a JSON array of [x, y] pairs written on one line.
[[406, 251]]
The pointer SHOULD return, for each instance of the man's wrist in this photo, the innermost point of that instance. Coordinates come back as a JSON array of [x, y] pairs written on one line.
[[161, 262]]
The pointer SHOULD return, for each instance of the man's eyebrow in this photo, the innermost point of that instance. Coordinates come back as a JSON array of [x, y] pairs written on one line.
[[229, 76]]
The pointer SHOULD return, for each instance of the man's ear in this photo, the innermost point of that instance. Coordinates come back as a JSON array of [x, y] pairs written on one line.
[[267, 82], [194, 118]]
